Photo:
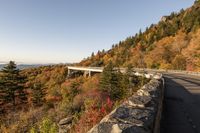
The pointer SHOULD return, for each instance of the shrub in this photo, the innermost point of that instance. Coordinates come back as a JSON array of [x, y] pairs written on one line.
[[47, 126]]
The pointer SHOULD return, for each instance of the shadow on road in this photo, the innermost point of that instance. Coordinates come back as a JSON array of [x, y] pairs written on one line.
[[181, 112]]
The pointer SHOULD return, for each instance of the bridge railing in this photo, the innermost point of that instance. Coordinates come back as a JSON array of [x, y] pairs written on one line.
[[170, 71], [100, 69]]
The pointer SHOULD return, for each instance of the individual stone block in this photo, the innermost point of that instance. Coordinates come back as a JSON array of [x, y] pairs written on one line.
[[139, 101]]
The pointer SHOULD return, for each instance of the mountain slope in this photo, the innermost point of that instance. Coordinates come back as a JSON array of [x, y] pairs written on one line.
[[173, 43]]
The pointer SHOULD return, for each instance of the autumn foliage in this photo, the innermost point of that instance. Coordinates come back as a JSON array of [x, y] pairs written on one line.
[[173, 43], [49, 96]]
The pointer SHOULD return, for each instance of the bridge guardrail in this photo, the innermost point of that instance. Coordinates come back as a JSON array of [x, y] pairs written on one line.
[[100, 69], [169, 71]]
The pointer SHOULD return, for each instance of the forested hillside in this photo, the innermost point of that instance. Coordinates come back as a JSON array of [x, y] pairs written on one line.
[[173, 43], [36, 99]]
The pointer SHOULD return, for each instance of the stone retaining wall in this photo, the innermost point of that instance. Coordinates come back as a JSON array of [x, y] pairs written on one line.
[[141, 113]]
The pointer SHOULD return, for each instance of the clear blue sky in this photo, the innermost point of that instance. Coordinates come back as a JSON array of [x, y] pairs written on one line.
[[55, 31]]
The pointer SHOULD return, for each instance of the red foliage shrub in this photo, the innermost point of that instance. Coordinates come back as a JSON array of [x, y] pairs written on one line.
[[88, 119], [93, 113], [106, 107]]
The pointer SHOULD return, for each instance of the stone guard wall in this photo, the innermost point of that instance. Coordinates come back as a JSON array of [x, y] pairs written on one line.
[[141, 113]]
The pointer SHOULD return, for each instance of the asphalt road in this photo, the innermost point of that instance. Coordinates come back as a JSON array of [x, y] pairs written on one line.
[[181, 112]]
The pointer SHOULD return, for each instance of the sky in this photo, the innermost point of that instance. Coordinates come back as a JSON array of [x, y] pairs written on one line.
[[66, 31]]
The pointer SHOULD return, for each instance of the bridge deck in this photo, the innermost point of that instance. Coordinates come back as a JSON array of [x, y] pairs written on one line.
[[92, 69]]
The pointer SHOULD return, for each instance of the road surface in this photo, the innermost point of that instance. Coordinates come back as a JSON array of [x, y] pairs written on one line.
[[181, 112]]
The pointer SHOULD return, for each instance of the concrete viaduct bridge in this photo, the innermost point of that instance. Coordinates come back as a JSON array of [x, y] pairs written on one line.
[[87, 70], [181, 101]]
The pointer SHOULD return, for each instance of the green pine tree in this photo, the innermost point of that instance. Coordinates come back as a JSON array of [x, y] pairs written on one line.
[[116, 91], [12, 84], [2, 93], [38, 94], [21, 93], [106, 77], [110, 82], [125, 81]]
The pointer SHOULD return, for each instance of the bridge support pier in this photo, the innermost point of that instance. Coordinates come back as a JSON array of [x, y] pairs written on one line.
[[87, 73], [68, 73]]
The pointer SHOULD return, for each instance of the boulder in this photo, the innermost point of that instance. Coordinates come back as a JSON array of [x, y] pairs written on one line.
[[65, 125], [65, 121], [65, 128]]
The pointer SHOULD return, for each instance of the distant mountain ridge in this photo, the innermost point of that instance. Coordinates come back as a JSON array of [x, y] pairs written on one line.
[[24, 66]]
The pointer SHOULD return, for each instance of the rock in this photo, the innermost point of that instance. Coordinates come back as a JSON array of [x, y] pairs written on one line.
[[135, 129], [65, 121], [65, 124], [139, 101], [148, 76], [150, 89], [135, 116], [116, 129], [157, 76], [65, 128], [104, 127]]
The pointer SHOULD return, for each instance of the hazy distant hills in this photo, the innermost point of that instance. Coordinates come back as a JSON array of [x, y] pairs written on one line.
[[24, 66]]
